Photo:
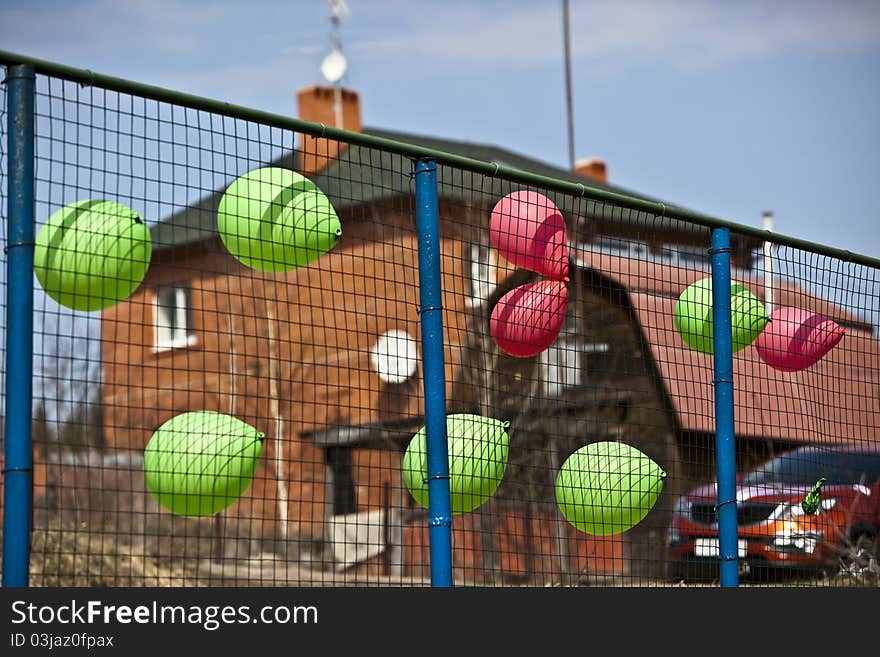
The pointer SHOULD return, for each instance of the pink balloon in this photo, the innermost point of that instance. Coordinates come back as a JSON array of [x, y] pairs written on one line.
[[795, 339], [526, 320], [529, 230]]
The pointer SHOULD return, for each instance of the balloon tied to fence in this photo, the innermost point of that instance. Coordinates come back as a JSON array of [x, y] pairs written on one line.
[[795, 339], [527, 320], [92, 254], [529, 231], [813, 498], [607, 487], [694, 321], [789, 339], [274, 219], [198, 463], [603, 488], [477, 448]]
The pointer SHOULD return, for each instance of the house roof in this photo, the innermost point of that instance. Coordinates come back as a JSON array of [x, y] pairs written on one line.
[[833, 401], [362, 175]]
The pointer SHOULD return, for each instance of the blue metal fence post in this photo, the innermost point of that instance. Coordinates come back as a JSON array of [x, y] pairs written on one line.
[[18, 467], [724, 425], [431, 313]]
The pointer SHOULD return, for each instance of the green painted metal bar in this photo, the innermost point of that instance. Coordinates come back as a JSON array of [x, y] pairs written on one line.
[[89, 78]]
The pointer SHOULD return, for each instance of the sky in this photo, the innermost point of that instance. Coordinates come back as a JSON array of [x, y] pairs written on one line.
[[726, 108]]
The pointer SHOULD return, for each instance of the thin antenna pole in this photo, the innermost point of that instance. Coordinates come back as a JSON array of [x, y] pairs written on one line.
[[337, 88], [568, 104], [768, 265]]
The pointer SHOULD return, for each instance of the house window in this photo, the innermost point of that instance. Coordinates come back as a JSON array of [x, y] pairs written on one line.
[[567, 360], [683, 255], [619, 246], [481, 277], [173, 318], [562, 367], [698, 255]]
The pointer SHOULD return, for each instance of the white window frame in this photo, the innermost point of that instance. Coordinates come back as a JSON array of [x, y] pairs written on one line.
[[482, 274], [687, 254], [561, 367], [627, 248], [563, 363], [176, 334], [563, 360]]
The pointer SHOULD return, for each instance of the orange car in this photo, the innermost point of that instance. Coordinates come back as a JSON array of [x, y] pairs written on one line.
[[775, 535]]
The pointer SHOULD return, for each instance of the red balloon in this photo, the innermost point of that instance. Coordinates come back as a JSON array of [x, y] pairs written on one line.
[[795, 339], [529, 231], [526, 320]]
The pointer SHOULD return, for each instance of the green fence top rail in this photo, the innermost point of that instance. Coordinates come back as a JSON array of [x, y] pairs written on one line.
[[90, 78]]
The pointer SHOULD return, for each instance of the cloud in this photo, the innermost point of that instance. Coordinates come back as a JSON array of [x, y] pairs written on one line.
[[613, 35], [433, 37]]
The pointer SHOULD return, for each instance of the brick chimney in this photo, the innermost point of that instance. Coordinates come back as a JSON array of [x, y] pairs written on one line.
[[317, 103], [592, 167]]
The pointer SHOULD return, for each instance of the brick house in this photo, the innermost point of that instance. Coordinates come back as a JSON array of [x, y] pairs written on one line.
[[290, 353]]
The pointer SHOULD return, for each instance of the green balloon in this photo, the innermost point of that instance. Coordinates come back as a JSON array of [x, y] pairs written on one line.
[[199, 463], [607, 487], [693, 316], [274, 219], [92, 254], [477, 448]]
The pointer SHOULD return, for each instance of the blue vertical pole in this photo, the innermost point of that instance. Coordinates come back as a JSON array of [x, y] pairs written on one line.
[[431, 312], [18, 467], [725, 447]]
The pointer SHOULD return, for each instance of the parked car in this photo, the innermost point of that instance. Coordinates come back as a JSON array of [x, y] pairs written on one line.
[[775, 535]]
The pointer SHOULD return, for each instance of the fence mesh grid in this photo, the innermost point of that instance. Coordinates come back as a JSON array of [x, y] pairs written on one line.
[[323, 357]]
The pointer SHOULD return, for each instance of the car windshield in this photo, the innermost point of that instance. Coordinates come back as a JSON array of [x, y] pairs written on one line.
[[806, 467]]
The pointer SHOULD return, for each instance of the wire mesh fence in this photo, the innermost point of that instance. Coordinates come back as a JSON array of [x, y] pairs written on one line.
[[229, 378]]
